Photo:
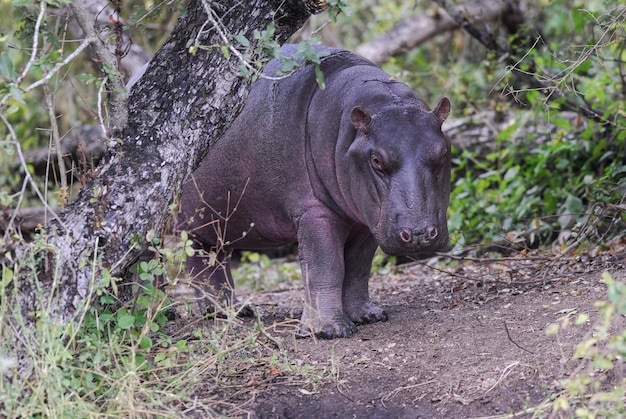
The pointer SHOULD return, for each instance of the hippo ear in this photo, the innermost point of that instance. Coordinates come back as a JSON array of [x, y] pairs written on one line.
[[360, 119], [442, 110]]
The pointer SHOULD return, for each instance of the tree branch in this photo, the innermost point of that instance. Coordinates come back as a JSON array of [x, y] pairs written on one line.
[[117, 97], [101, 14], [413, 31]]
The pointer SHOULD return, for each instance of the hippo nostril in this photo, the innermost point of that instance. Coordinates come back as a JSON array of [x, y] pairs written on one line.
[[405, 235], [423, 236], [432, 232]]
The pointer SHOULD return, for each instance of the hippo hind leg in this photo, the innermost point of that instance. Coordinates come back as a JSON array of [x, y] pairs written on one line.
[[214, 284]]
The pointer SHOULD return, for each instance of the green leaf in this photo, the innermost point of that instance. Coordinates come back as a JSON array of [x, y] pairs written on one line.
[[6, 67], [17, 94], [125, 321], [145, 342], [189, 251], [107, 299], [552, 329], [562, 123], [181, 345], [106, 317], [582, 318], [288, 66], [12, 109], [7, 277], [319, 77], [141, 362], [243, 70], [579, 19], [583, 67], [225, 51], [161, 356], [532, 96], [242, 40], [86, 78], [603, 363], [571, 211]]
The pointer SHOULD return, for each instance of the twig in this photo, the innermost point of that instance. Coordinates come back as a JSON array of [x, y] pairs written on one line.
[[101, 107], [395, 391], [27, 179], [33, 55], [515, 343], [86, 42], [504, 374], [458, 15], [56, 139], [214, 20], [586, 230]]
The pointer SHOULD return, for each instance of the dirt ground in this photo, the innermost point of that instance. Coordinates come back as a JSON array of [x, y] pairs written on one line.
[[464, 339]]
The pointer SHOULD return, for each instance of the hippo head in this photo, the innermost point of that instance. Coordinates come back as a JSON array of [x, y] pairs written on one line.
[[400, 175]]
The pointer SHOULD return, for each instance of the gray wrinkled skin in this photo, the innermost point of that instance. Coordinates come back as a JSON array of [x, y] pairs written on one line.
[[361, 164]]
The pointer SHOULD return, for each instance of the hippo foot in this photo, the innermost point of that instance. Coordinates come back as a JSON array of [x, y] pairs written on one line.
[[366, 313], [242, 310], [338, 327]]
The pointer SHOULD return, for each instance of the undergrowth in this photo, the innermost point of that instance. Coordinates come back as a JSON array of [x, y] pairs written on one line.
[[126, 359], [597, 387], [546, 186]]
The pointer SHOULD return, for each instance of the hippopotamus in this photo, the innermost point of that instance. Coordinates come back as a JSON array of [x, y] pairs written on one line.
[[340, 170]]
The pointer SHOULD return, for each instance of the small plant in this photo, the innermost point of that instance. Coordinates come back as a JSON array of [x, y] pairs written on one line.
[[382, 263], [598, 387], [259, 272], [128, 357]]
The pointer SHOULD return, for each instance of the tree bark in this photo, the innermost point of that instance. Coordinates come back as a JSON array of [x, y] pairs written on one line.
[[183, 103]]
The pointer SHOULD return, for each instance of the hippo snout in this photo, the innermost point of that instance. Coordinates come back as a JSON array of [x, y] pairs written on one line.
[[420, 237], [414, 240]]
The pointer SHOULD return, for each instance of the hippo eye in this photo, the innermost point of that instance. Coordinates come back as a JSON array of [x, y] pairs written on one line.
[[377, 163]]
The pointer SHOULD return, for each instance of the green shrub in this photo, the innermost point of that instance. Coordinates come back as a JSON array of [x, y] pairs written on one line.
[[598, 388]]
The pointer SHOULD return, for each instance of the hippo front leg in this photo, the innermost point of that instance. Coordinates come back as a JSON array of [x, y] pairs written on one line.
[[320, 248], [359, 252]]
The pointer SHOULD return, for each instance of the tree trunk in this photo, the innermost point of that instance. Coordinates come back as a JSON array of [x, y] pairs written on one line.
[[182, 105]]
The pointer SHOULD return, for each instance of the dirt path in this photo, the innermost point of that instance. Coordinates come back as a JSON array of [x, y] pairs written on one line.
[[468, 342]]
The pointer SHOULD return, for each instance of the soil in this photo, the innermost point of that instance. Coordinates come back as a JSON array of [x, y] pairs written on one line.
[[464, 339]]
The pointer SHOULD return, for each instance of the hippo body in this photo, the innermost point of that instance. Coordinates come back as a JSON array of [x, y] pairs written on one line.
[[340, 171]]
